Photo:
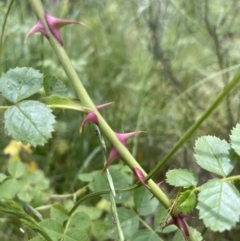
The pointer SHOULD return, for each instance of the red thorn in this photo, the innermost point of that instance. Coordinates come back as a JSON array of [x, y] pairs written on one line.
[[140, 176], [54, 24], [114, 153], [91, 116], [179, 222]]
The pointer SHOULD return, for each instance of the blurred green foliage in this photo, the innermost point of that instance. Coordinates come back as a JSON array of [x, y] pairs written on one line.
[[160, 62]]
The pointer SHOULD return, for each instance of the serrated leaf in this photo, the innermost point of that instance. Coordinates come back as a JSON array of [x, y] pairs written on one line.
[[235, 139], [186, 201], [53, 228], [17, 169], [56, 101], [143, 202], [145, 235], [218, 205], [129, 224], [213, 155], [30, 122], [80, 220], [2, 177], [53, 86], [75, 234], [19, 83], [9, 188], [195, 234], [181, 178], [59, 213], [37, 238]]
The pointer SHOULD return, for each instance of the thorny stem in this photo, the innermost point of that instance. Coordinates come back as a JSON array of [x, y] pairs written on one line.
[[105, 128], [87, 102]]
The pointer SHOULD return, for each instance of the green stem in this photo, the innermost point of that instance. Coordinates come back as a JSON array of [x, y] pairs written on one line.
[[194, 127], [233, 178], [86, 101], [75, 194], [2, 33]]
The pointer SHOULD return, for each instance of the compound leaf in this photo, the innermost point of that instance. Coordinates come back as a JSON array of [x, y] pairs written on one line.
[[214, 155], [29, 122], [218, 205], [181, 178], [19, 83]]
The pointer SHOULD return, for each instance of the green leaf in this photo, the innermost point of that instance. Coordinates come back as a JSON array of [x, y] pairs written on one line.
[[37, 238], [2, 177], [98, 230], [9, 188], [17, 169], [120, 180], [129, 223], [178, 236], [59, 213], [53, 86], [19, 83], [56, 101], [75, 234], [218, 205], [235, 139], [145, 235], [85, 221], [181, 178], [186, 201], [214, 155], [26, 192], [30, 122], [195, 234], [142, 201], [92, 212], [53, 228], [87, 177], [38, 179]]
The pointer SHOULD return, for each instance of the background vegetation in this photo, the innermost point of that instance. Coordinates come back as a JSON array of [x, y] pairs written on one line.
[[160, 62]]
